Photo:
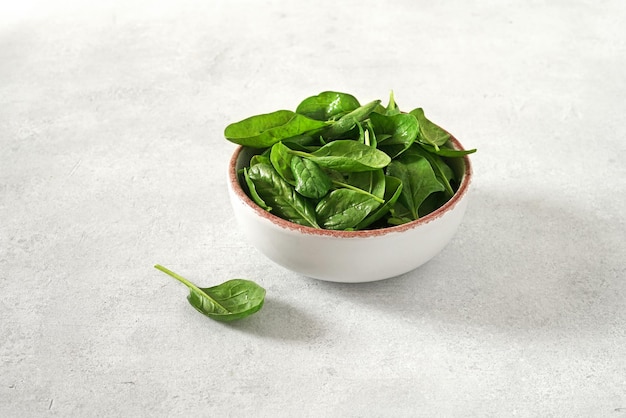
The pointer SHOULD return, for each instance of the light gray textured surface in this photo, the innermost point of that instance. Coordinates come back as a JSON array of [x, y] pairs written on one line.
[[112, 160]]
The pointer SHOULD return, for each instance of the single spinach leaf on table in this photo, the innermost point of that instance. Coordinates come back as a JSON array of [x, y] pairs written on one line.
[[232, 300], [327, 105], [265, 130], [418, 179], [311, 180], [343, 209], [281, 196]]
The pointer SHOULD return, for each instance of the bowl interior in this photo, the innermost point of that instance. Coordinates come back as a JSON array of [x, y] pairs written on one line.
[[241, 158]]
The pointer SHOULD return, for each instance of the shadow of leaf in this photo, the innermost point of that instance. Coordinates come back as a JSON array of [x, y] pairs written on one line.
[[281, 321]]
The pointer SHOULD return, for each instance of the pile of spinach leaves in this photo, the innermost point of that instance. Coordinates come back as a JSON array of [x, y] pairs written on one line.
[[337, 164]]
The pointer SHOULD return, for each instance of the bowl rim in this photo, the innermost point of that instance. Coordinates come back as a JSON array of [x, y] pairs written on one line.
[[239, 192]]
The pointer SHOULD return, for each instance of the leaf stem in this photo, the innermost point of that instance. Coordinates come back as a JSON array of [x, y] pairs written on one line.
[[177, 277], [188, 284], [356, 189], [300, 153]]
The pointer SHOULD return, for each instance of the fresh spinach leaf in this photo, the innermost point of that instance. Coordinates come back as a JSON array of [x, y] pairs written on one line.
[[392, 107], [399, 132], [311, 180], [259, 158], [429, 132], [232, 300], [393, 188], [371, 181], [280, 157], [399, 214], [281, 196], [349, 156], [442, 171], [252, 190], [327, 105], [418, 179], [349, 120], [343, 209], [265, 130]]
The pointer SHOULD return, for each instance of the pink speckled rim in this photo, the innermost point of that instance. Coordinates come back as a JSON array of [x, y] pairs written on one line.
[[447, 207]]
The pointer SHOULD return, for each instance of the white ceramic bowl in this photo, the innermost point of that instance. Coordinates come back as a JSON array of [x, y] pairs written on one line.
[[348, 256]]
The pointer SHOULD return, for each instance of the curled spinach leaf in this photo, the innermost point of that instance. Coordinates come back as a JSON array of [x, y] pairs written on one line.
[[281, 197], [395, 133], [442, 171], [418, 179], [371, 181], [280, 157], [232, 300], [343, 209], [252, 190], [327, 105], [392, 107], [429, 132], [393, 188], [349, 120]]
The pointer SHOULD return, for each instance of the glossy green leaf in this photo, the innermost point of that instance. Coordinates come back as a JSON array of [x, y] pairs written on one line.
[[259, 158], [281, 196], [252, 190], [399, 132], [343, 209], [392, 107], [311, 180], [232, 300], [429, 132], [349, 156], [280, 157], [371, 181], [393, 188], [418, 179], [265, 130], [442, 171], [370, 135], [327, 105], [349, 120]]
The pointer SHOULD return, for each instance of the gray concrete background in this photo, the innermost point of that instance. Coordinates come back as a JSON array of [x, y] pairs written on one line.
[[112, 160]]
